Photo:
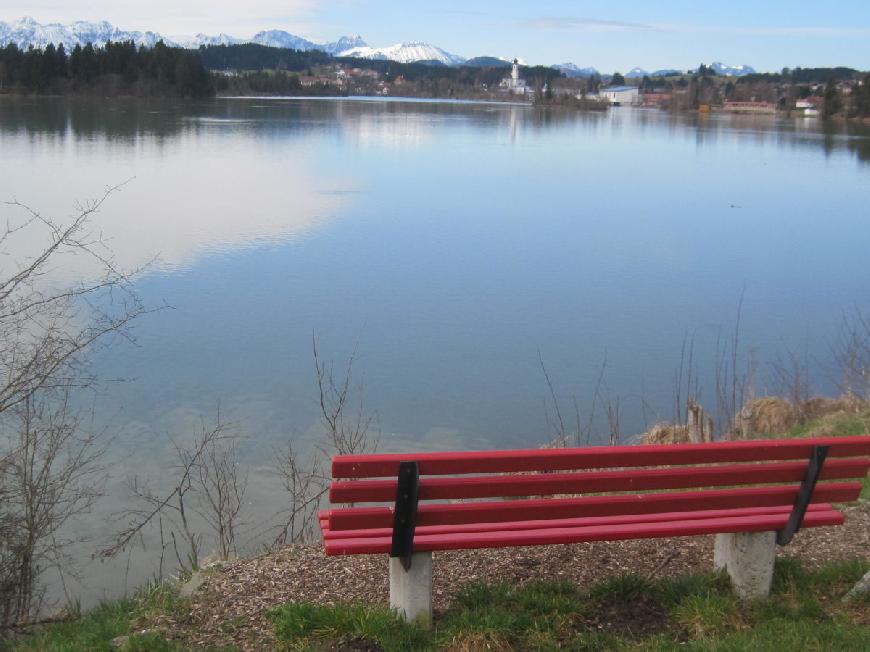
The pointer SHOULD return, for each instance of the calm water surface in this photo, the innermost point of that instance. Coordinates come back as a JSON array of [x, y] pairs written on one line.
[[449, 245]]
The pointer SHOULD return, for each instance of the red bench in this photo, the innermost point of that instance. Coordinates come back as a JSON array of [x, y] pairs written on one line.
[[751, 494]]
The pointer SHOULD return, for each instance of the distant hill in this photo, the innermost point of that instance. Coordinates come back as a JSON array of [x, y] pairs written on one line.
[[486, 62], [573, 70]]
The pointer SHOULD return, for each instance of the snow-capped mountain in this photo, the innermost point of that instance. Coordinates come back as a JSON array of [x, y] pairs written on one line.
[[26, 32], [206, 39], [405, 53], [734, 71], [278, 38], [573, 70], [343, 44]]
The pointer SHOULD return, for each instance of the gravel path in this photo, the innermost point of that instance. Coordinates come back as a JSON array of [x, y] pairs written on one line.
[[228, 609]]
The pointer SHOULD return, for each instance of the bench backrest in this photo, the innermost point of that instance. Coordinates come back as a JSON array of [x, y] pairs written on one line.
[[717, 476]]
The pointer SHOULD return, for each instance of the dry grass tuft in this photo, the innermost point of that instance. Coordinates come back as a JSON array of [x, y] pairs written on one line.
[[772, 415], [665, 433], [819, 406]]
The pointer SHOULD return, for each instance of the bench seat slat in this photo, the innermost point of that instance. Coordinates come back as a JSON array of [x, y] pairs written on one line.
[[756, 523], [561, 459], [361, 491], [359, 518], [566, 522]]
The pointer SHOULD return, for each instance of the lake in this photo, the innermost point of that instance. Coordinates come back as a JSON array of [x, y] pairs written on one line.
[[451, 247]]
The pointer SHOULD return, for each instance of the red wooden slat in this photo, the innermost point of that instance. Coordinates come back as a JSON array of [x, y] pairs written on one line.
[[560, 459], [361, 491], [359, 518], [567, 522], [761, 523]]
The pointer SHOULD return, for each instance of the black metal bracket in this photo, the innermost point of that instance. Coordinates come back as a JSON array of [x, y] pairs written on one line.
[[405, 513], [805, 493]]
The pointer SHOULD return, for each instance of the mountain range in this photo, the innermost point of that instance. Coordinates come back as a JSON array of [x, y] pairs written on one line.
[[27, 32], [717, 66], [573, 70]]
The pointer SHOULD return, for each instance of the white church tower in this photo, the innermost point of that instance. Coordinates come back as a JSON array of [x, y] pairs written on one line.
[[513, 83]]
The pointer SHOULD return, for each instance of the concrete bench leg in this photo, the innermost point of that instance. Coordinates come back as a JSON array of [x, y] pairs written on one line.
[[411, 591], [748, 557]]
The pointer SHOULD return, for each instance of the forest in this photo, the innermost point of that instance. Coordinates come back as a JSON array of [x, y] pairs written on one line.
[[114, 69]]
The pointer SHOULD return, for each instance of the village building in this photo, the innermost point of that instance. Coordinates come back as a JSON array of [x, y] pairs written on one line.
[[620, 95], [809, 107], [749, 107], [513, 83], [656, 99]]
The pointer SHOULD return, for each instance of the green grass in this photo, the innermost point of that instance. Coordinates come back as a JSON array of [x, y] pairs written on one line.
[[838, 424], [625, 613], [695, 612], [94, 630]]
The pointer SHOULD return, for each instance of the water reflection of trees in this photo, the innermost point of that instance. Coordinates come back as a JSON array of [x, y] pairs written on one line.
[[121, 120], [130, 119], [126, 121], [831, 137]]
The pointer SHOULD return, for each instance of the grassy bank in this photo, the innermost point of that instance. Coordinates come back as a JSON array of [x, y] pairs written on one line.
[[697, 612], [846, 423], [98, 628], [806, 611]]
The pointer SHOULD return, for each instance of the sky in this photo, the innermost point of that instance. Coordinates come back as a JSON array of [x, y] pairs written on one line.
[[611, 35]]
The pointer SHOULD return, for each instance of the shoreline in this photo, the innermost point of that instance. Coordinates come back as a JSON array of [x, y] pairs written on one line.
[[374, 99]]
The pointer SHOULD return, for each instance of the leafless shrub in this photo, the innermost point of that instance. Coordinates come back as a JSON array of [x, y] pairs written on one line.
[[347, 434], [46, 328], [613, 409], [305, 479], [581, 433], [207, 483], [222, 485], [686, 384], [49, 467], [50, 475], [305, 484], [734, 377], [791, 374], [851, 352]]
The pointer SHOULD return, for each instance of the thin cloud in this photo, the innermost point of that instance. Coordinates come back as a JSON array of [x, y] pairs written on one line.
[[601, 25], [590, 24], [825, 32]]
